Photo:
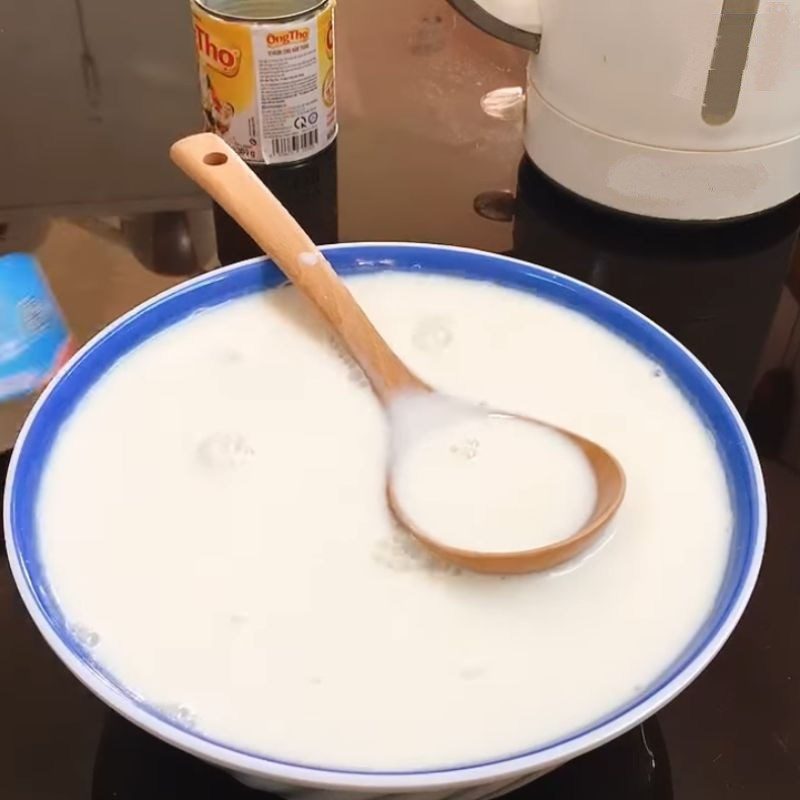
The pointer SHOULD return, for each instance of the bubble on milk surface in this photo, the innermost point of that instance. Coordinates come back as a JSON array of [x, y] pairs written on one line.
[[229, 356], [433, 335], [401, 552], [179, 714], [86, 636], [224, 451], [466, 449], [472, 672], [355, 374]]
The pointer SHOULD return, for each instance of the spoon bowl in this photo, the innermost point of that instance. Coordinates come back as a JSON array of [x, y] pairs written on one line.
[[610, 490], [213, 165]]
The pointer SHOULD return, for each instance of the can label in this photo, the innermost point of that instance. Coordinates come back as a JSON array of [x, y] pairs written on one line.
[[34, 340], [268, 88]]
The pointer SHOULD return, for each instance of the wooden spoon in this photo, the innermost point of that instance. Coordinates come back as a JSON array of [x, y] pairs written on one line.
[[211, 163]]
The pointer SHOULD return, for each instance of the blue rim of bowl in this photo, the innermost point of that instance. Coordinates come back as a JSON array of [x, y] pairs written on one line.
[[53, 407]]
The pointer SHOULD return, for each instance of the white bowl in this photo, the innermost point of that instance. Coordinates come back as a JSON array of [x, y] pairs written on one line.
[[469, 780]]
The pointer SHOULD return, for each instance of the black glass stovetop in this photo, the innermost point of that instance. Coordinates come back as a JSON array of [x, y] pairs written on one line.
[[417, 159]]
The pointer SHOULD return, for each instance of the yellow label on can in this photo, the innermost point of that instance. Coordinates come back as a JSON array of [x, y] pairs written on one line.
[[268, 88], [325, 57]]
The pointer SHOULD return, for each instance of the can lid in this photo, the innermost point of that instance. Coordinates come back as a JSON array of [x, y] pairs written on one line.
[[260, 10]]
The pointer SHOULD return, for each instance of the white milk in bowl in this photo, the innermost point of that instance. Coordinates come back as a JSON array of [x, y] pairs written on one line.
[[213, 524]]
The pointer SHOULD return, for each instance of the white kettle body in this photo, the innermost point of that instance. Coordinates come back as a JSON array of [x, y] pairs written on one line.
[[686, 110]]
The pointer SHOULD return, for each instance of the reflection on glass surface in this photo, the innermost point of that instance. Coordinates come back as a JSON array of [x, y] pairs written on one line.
[[714, 286], [132, 765], [308, 189]]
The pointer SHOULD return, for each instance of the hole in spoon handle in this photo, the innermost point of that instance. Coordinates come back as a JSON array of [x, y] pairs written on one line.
[[215, 159]]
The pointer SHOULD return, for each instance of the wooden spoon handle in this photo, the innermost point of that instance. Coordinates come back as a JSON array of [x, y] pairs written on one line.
[[213, 165]]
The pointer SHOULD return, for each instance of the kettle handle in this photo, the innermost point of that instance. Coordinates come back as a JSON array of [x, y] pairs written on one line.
[[529, 36]]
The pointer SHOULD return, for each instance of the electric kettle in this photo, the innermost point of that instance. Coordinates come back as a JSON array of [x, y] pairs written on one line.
[[682, 110]]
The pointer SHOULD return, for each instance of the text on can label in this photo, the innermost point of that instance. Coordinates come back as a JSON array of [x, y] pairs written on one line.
[[214, 54], [282, 38]]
